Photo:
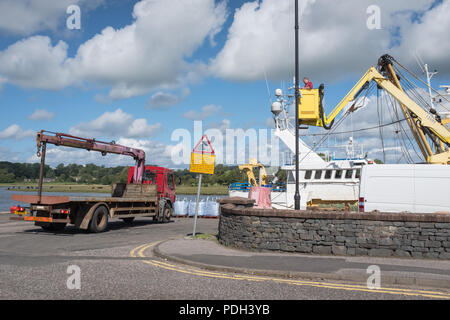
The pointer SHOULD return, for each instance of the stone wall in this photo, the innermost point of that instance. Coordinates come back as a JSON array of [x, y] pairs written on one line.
[[337, 233]]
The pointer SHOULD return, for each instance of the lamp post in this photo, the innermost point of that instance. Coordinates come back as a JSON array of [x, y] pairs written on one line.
[[297, 100]]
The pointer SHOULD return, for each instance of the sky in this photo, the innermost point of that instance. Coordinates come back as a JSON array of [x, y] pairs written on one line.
[[137, 71]]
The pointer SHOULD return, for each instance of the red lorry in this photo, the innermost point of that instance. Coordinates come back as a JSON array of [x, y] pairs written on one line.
[[149, 192]]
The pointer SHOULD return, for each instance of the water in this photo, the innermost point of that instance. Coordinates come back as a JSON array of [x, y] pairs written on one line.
[[207, 205]]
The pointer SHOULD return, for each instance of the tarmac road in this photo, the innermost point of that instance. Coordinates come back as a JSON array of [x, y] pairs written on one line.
[[118, 264]]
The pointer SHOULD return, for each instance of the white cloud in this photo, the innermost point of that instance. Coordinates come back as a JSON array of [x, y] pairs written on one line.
[[206, 112], [156, 153], [140, 128], [15, 132], [41, 114], [25, 17], [164, 101], [148, 54], [222, 125], [161, 100], [428, 37], [334, 39], [35, 63], [116, 124]]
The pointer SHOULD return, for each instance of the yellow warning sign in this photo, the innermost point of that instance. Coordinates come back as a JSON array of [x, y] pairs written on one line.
[[202, 163]]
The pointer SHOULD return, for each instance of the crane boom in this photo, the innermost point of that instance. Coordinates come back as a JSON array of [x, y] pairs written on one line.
[[421, 122], [66, 140], [248, 169]]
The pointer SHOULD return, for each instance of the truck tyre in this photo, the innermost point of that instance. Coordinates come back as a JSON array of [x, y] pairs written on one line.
[[99, 220], [167, 213], [53, 226]]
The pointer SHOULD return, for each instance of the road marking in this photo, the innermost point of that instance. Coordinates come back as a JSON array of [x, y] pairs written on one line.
[[141, 249], [132, 252], [327, 285]]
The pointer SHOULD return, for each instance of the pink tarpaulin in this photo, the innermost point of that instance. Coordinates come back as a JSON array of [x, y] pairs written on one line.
[[262, 197]]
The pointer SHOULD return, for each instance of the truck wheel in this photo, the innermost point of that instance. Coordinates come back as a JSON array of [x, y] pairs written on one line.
[[99, 220], [53, 226], [165, 215]]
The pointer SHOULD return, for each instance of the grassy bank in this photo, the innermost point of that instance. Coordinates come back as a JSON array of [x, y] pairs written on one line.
[[98, 188], [79, 188], [209, 190]]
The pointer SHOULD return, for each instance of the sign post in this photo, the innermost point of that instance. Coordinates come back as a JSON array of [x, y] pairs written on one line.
[[196, 205], [202, 162]]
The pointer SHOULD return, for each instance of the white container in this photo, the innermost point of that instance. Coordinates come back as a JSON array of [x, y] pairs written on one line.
[[418, 188], [212, 209], [181, 207]]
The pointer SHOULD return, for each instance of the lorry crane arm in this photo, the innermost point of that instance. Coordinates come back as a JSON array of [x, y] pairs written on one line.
[[421, 122], [66, 140]]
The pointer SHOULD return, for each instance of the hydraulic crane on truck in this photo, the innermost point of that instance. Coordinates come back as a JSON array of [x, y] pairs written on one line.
[[428, 129], [66, 140], [149, 191]]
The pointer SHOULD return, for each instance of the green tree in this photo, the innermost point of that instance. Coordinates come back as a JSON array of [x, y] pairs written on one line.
[[6, 177], [106, 180]]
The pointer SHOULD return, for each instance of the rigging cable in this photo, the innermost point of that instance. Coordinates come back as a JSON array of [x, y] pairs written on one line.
[[379, 125], [417, 78], [401, 132]]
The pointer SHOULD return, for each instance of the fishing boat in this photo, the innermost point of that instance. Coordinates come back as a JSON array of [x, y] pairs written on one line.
[[325, 178]]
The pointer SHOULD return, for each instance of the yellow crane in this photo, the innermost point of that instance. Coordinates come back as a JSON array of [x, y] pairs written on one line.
[[423, 124], [248, 169]]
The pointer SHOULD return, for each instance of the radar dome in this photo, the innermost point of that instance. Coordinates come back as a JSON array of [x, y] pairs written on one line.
[[276, 108]]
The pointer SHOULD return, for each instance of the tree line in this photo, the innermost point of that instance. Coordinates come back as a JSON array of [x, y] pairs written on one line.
[[93, 174], [72, 173]]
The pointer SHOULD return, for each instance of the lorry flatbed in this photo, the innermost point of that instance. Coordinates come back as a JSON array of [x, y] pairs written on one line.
[[54, 200], [126, 201]]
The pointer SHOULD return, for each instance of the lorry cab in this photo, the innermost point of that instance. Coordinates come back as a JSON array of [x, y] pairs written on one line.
[[162, 177]]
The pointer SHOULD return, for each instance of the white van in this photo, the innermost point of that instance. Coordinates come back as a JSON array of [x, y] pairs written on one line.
[[419, 188]]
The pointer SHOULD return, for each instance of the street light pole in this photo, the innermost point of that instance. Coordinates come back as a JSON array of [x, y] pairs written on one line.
[[297, 101]]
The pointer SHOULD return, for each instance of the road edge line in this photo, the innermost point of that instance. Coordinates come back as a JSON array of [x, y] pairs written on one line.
[[416, 282]]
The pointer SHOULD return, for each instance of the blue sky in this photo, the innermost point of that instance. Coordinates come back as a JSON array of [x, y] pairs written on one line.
[[212, 63]]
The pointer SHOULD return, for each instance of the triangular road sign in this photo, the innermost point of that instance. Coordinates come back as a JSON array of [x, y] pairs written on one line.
[[203, 146]]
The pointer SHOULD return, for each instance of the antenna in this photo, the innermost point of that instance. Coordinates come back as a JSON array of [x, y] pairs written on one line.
[[424, 67], [267, 86], [419, 61]]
